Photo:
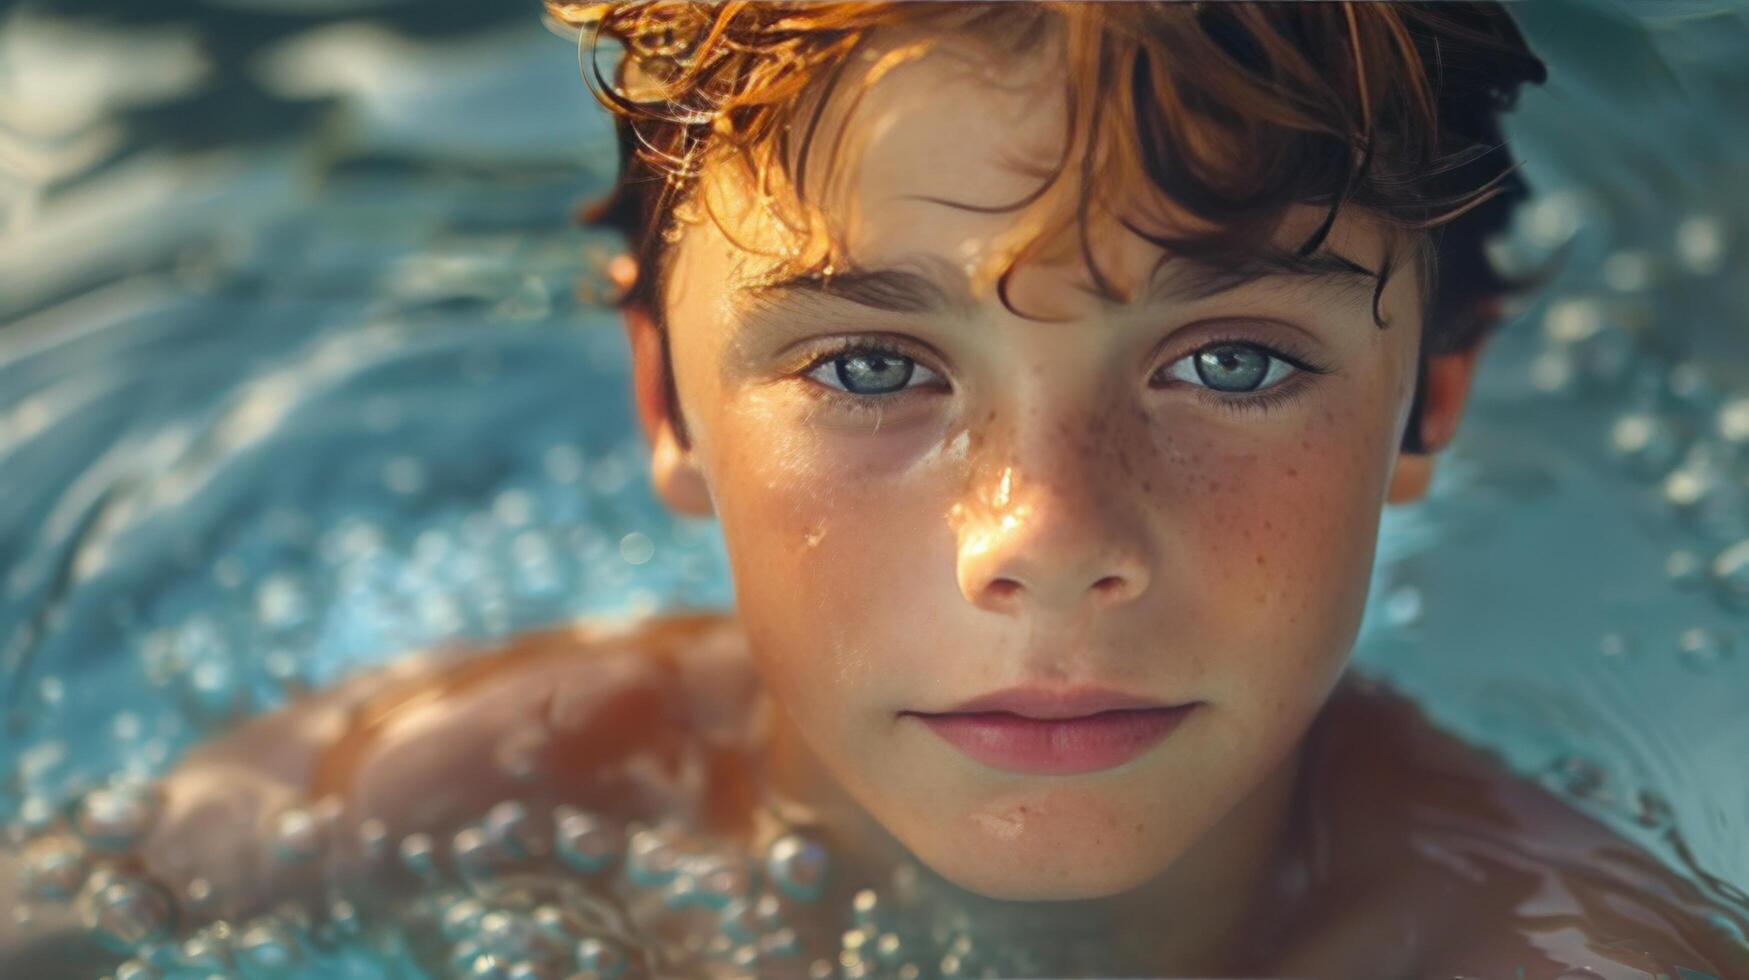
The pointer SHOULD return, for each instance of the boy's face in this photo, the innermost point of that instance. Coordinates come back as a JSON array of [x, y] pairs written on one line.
[[977, 502]]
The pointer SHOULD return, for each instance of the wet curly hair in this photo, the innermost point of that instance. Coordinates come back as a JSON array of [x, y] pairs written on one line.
[[1234, 111]]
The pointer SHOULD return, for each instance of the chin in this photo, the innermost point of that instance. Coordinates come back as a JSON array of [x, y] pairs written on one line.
[[1037, 863]]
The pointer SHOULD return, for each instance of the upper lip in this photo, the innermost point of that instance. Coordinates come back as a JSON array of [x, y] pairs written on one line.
[[1053, 703]]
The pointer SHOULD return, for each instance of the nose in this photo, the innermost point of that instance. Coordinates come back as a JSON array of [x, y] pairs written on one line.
[[1049, 543]]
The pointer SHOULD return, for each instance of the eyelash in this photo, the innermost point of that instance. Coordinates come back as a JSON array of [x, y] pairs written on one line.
[[1275, 396], [850, 401], [1262, 402]]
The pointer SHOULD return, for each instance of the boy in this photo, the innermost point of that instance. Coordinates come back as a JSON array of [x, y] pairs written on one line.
[[1047, 367]]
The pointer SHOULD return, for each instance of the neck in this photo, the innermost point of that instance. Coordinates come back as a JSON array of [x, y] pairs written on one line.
[[1188, 919]]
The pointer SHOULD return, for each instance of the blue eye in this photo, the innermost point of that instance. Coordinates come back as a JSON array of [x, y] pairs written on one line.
[[869, 371], [1232, 367]]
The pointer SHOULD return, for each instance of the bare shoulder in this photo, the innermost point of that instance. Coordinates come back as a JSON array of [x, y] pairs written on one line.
[[1473, 871], [627, 718]]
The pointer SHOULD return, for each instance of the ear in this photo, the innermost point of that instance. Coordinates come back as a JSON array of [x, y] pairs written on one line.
[[673, 470], [1447, 388]]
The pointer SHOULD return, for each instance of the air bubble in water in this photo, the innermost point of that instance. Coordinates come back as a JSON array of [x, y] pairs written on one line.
[[510, 829], [1684, 568], [1730, 574], [373, 838], [404, 475], [1616, 646], [1702, 649], [207, 951], [114, 818], [472, 853], [1647, 444], [297, 836], [798, 867], [1700, 244], [636, 548], [601, 958], [651, 861], [508, 935], [54, 867], [267, 945], [583, 841], [125, 912], [418, 855], [135, 970], [1579, 777], [1629, 270], [1652, 811]]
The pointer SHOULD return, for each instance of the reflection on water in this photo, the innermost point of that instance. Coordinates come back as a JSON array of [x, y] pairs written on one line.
[[296, 374]]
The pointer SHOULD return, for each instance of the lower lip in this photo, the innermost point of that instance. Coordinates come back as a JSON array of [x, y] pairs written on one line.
[[1058, 746]]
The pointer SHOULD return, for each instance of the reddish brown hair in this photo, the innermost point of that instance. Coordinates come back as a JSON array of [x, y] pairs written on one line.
[[1235, 112]]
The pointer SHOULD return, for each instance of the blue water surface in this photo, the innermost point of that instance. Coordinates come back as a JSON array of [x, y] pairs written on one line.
[[303, 365]]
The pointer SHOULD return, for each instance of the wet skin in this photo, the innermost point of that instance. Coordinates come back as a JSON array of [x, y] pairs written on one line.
[[1409, 854]]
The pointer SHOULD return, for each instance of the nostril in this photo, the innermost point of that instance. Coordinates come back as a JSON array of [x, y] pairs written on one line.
[[1002, 589], [1112, 587]]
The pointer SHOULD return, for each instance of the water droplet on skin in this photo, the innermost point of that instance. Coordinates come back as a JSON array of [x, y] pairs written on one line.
[[297, 836]]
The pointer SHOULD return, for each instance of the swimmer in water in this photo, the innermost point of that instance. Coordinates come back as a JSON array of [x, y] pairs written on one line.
[[1048, 367]]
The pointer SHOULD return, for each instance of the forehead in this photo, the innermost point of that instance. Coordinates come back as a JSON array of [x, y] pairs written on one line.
[[927, 167]]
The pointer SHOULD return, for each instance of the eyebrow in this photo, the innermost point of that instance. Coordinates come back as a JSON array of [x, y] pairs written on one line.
[[903, 288], [909, 288], [1185, 278]]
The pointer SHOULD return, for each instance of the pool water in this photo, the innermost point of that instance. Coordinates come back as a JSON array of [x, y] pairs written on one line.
[[297, 373]]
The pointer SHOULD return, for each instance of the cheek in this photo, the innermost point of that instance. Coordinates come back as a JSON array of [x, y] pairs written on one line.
[[835, 555], [1276, 544]]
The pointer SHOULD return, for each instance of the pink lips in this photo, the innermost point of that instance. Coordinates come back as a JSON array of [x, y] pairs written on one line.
[[1044, 732]]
